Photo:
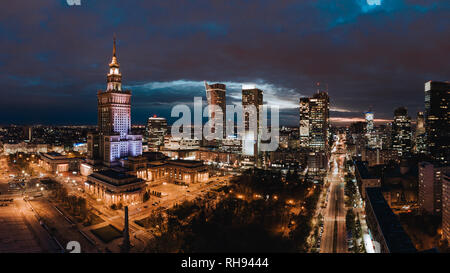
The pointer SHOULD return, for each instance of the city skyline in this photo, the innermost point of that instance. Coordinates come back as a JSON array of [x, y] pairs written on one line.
[[331, 49], [220, 127]]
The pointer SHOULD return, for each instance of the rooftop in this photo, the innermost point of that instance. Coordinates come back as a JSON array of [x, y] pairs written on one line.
[[395, 236], [186, 163], [364, 170], [54, 154], [114, 174]]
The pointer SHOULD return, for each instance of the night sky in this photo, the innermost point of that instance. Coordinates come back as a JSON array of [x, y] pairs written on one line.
[[54, 57]]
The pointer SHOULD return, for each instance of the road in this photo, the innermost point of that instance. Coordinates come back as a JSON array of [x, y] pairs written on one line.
[[334, 235]]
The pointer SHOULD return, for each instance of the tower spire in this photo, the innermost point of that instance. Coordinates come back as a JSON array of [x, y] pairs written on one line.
[[114, 45], [114, 62], [114, 76]]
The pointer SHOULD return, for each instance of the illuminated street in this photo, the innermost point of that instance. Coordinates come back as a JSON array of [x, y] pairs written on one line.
[[334, 235]]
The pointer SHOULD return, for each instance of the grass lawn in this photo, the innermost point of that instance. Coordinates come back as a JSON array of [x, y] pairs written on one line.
[[94, 219], [143, 222], [107, 233], [147, 222]]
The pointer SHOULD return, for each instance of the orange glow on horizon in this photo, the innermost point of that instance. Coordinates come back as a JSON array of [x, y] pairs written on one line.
[[351, 120]]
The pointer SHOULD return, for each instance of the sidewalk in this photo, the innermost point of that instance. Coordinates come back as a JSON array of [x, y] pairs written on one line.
[[368, 245]]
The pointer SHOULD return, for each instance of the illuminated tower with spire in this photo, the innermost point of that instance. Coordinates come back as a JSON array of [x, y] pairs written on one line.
[[114, 137], [114, 105], [114, 76]]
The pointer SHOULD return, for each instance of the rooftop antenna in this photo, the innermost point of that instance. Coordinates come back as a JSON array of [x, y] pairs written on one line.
[[319, 85]]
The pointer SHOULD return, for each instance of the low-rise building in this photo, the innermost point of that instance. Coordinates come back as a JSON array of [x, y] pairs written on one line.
[[175, 171], [24, 147], [115, 187], [385, 229], [365, 178], [54, 162]]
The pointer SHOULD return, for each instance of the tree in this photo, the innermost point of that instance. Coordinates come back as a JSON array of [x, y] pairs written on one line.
[[146, 196], [358, 230], [82, 204], [72, 201], [350, 190], [350, 221]]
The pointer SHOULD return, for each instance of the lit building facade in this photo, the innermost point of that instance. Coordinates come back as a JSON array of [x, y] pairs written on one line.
[[371, 133], [113, 139], [176, 171], [216, 95], [437, 118], [401, 131], [430, 187], [251, 96], [369, 121], [320, 125], [377, 156], [385, 136], [304, 123], [54, 162], [446, 206], [156, 131], [113, 143], [420, 135], [115, 187], [314, 130], [179, 143]]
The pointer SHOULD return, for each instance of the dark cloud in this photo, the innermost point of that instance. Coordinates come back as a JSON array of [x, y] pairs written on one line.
[[53, 58]]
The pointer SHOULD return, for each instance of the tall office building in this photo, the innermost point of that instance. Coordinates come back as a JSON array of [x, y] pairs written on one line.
[[401, 131], [385, 135], [314, 130], [371, 134], [216, 95], [304, 129], [27, 133], [369, 121], [446, 206], [113, 139], [251, 96], [319, 106], [437, 120], [156, 131], [420, 126], [430, 187], [420, 136]]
